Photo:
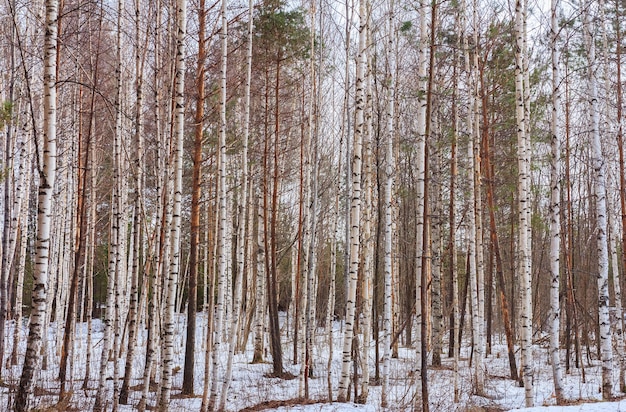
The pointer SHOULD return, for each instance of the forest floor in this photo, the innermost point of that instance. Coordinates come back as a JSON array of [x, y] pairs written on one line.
[[253, 390]]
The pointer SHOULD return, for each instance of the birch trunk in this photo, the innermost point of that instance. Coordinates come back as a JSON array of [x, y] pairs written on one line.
[[619, 313], [21, 262], [114, 230], [555, 209], [243, 228], [389, 183], [259, 316], [137, 241], [155, 278], [480, 260], [178, 129], [599, 194], [454, 344], [524, 242], [47, 176], [622, 182], [473, 280], [311, 219], [355, 205], [419, 190], [366, 285], [222, 230]]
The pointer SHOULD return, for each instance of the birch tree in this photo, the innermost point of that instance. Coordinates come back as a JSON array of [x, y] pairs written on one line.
[[242, 213], [555, 208], [47, 174], [178, 131], [523, 188], [599, 194], [389, 183], [222, 230], [355, 204], [115, 236]]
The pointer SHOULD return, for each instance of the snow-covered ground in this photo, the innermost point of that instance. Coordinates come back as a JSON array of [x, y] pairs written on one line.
[[251, 386]]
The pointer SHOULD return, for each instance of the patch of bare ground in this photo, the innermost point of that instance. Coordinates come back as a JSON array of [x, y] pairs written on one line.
[[267, 405], [11, 385], [283, 375], [139, 387], [39, 391], [580, 401], [442, 367], [63, 405], [181, 395], [484, 409]]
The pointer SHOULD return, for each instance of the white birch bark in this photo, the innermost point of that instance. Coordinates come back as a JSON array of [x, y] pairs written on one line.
[[524, 241], [419, 189], [175, 258], [89, 265], [480, 261], [330, 308], [302, 323], [355, 206], [159, 234], [619, 313], [259, 316], [242, 216], [21, 211], [13, 214], [222, 230], [312, 205], [472, 130], [599, 193], [555, 208], [136, 237], [389, 182], [20, 270], [46, 184], [366, 285], [311, 312], [114, 229]]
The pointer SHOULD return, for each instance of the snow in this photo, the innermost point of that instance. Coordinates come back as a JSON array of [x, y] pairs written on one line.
[[251, 386], [586, 407]]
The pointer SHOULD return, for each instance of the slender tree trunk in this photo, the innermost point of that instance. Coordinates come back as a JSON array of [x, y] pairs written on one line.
[[9, 232], [47, 175], [84, 143], [454, 346], [311, 203], [178, 118], [159, 233], [599, 193], [114, 230], [365, 286], [222, 246], [196, 193], [495, 241], [355, 205], [389, 183], [419, 192], [21, 261], [622, 183], [524, 245], [426, 255], [137, 240], [555, 210], [242, 216], [259, 316], [472, 127]]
